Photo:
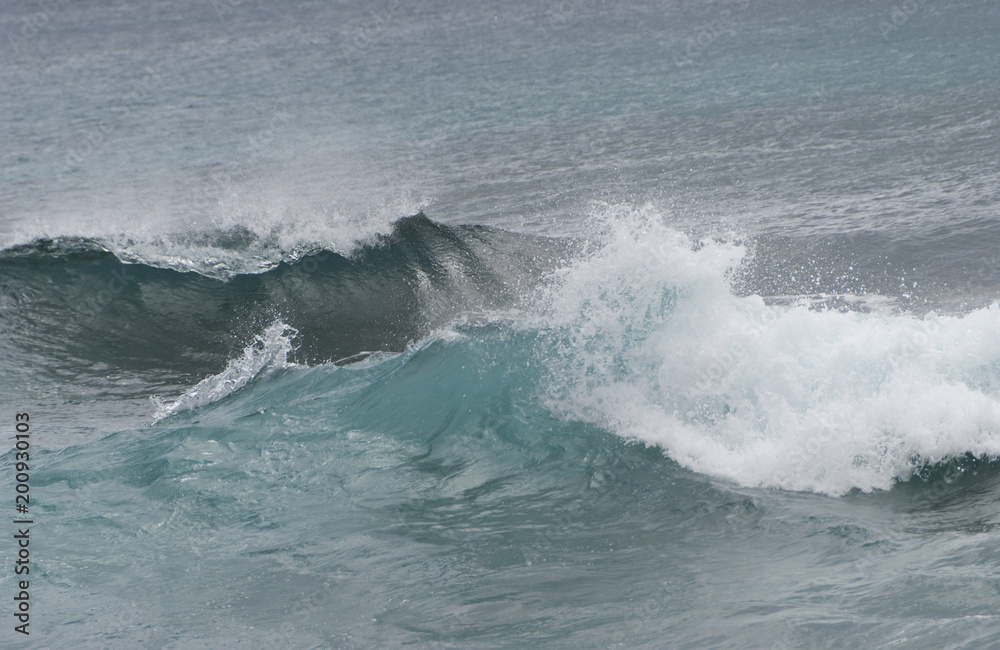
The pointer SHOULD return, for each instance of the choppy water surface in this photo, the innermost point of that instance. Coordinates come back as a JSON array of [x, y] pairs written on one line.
[[562, 325]]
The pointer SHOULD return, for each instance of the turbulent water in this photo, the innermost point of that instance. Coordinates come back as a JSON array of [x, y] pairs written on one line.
[[569, 324]]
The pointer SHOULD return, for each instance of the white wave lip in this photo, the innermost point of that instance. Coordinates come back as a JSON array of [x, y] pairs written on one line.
[[656, 347], [267, 353]]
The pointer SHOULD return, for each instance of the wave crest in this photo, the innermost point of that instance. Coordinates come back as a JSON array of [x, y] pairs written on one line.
[[649, 340]]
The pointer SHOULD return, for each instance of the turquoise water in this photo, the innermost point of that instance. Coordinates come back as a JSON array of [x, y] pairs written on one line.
[[554, 325]]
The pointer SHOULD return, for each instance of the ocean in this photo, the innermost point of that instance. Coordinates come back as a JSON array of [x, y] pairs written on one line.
[[557, 324]]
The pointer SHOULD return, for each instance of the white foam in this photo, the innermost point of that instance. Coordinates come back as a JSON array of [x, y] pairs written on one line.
[[267, 353], [282, 211], [655, 346]]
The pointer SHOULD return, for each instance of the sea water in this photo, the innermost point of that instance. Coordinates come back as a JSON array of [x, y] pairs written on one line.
[[558, 324]]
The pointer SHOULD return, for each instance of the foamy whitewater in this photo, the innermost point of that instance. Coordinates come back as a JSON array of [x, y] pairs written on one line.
[[652, 344], [557, 325]]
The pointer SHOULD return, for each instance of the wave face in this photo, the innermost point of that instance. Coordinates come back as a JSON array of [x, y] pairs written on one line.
[[646, 336], [77, 297]]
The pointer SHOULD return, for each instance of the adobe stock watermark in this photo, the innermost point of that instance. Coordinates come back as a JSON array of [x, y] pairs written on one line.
[[113, 285], [899, 15], [90, 485], [97, 136], [723, 362], [483, 95], [300, 271], [993, 263], [672, 596], [871, 557], [816, 98], [31, 25], [123, 626], [225, 177], [705, 36], [834, 424], [317, 602], [225, 8], [365, 34], [563, 11], [788, 125], [788, 639], [603, 473]]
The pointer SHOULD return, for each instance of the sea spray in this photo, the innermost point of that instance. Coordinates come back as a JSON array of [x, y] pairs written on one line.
[[268, 352], [648, 339]]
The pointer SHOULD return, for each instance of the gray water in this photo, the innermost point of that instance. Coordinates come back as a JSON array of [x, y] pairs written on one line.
[[693, 346]]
